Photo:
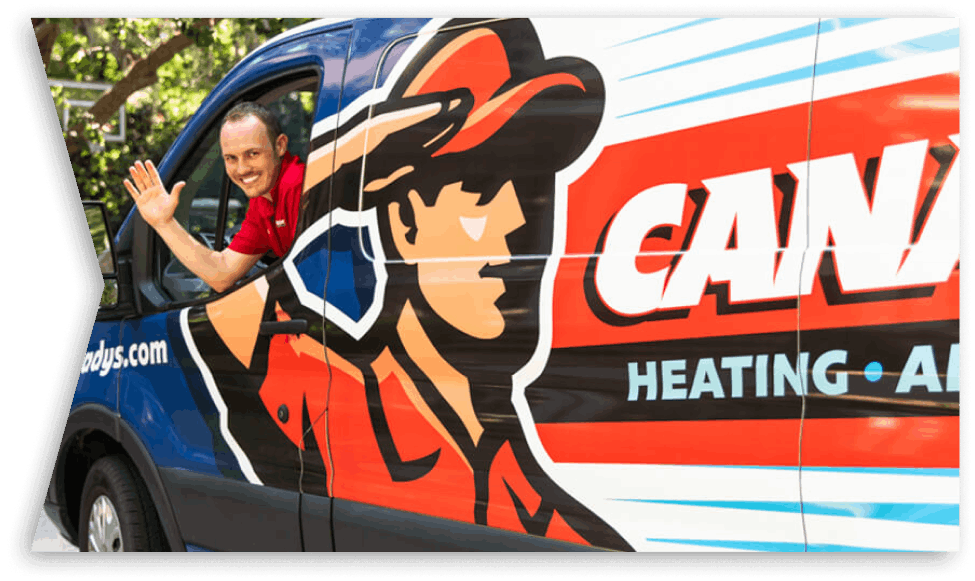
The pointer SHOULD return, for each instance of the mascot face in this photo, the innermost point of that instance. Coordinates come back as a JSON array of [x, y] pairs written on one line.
[[462, 290]]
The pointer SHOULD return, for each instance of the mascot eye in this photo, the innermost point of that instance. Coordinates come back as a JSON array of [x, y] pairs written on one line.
[[474, 226]]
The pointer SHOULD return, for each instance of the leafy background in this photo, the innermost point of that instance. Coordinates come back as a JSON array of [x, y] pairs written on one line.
[[160, 68]]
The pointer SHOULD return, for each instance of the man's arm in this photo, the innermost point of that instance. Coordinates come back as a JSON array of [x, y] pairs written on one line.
[[221, 269]]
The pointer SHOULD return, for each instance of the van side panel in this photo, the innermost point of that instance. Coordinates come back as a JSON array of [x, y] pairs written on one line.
[[668, 401], [179, 425], [603, 414], [98, 382], [665, 386], [880, 303]]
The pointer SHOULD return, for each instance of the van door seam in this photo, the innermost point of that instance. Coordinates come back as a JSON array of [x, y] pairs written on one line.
[[802, 265]]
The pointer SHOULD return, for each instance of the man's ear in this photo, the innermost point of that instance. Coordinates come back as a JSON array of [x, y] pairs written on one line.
[[281, 144], [398, 229]]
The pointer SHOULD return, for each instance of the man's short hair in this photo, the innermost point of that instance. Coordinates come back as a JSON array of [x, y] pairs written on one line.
[[246, 108]]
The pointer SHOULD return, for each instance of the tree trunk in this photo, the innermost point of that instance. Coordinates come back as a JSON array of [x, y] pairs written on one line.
[[46, 32], [141, 75]]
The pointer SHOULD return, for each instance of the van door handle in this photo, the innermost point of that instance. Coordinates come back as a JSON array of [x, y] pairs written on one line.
[[290, 327]]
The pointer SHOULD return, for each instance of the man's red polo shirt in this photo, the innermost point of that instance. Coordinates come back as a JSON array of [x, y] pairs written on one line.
[[270, 225]]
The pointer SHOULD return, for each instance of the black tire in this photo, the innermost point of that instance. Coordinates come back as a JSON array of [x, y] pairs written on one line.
[[114, 478]]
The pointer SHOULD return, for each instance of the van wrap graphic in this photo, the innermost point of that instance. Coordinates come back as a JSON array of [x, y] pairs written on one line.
[[567, 295], [103, 360], [724, 245]]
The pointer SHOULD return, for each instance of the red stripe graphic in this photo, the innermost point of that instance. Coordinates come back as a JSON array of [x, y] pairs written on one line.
[[847, 124], [882, 442], [896, 442]]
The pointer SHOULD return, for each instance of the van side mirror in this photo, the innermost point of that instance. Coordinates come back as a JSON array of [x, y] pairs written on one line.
[[101, 238]]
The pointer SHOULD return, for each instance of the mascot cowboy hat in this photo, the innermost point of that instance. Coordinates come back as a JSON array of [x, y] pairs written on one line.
[[519, 111]]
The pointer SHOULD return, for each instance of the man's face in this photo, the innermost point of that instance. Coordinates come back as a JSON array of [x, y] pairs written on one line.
[[455, 240], [251, 160]]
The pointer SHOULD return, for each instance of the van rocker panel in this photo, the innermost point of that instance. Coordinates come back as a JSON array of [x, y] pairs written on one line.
[[225, 515], [363, 527]]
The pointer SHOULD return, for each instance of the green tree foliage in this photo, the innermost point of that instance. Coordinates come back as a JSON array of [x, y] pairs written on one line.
[[161, 69]]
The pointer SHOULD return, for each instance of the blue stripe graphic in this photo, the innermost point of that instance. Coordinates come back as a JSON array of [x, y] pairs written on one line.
[[926, 44], [826, 548], [740, 545], [939, 514], [923, 45], [933, 514], [666, 30], [769, 546], [787, 36], [772, 506], [870, 470], [779, 79]]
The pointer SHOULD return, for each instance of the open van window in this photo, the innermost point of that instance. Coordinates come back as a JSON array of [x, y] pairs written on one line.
[[211, 207]]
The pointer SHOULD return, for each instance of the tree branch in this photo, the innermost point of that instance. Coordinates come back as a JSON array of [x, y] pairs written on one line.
[[141, 75]]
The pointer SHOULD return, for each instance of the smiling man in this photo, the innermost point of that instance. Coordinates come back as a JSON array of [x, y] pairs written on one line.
[[256, 158]]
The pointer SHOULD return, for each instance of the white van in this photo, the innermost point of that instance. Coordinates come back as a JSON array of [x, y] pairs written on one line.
[[634, 284]]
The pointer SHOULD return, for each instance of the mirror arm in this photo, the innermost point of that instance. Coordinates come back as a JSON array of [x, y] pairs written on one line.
[[126, 292]]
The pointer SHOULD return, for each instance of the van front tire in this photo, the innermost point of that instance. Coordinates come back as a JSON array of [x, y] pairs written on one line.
[[116, 513]]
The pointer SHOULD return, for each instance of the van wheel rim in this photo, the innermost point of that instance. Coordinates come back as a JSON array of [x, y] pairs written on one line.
[[104, 532]]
